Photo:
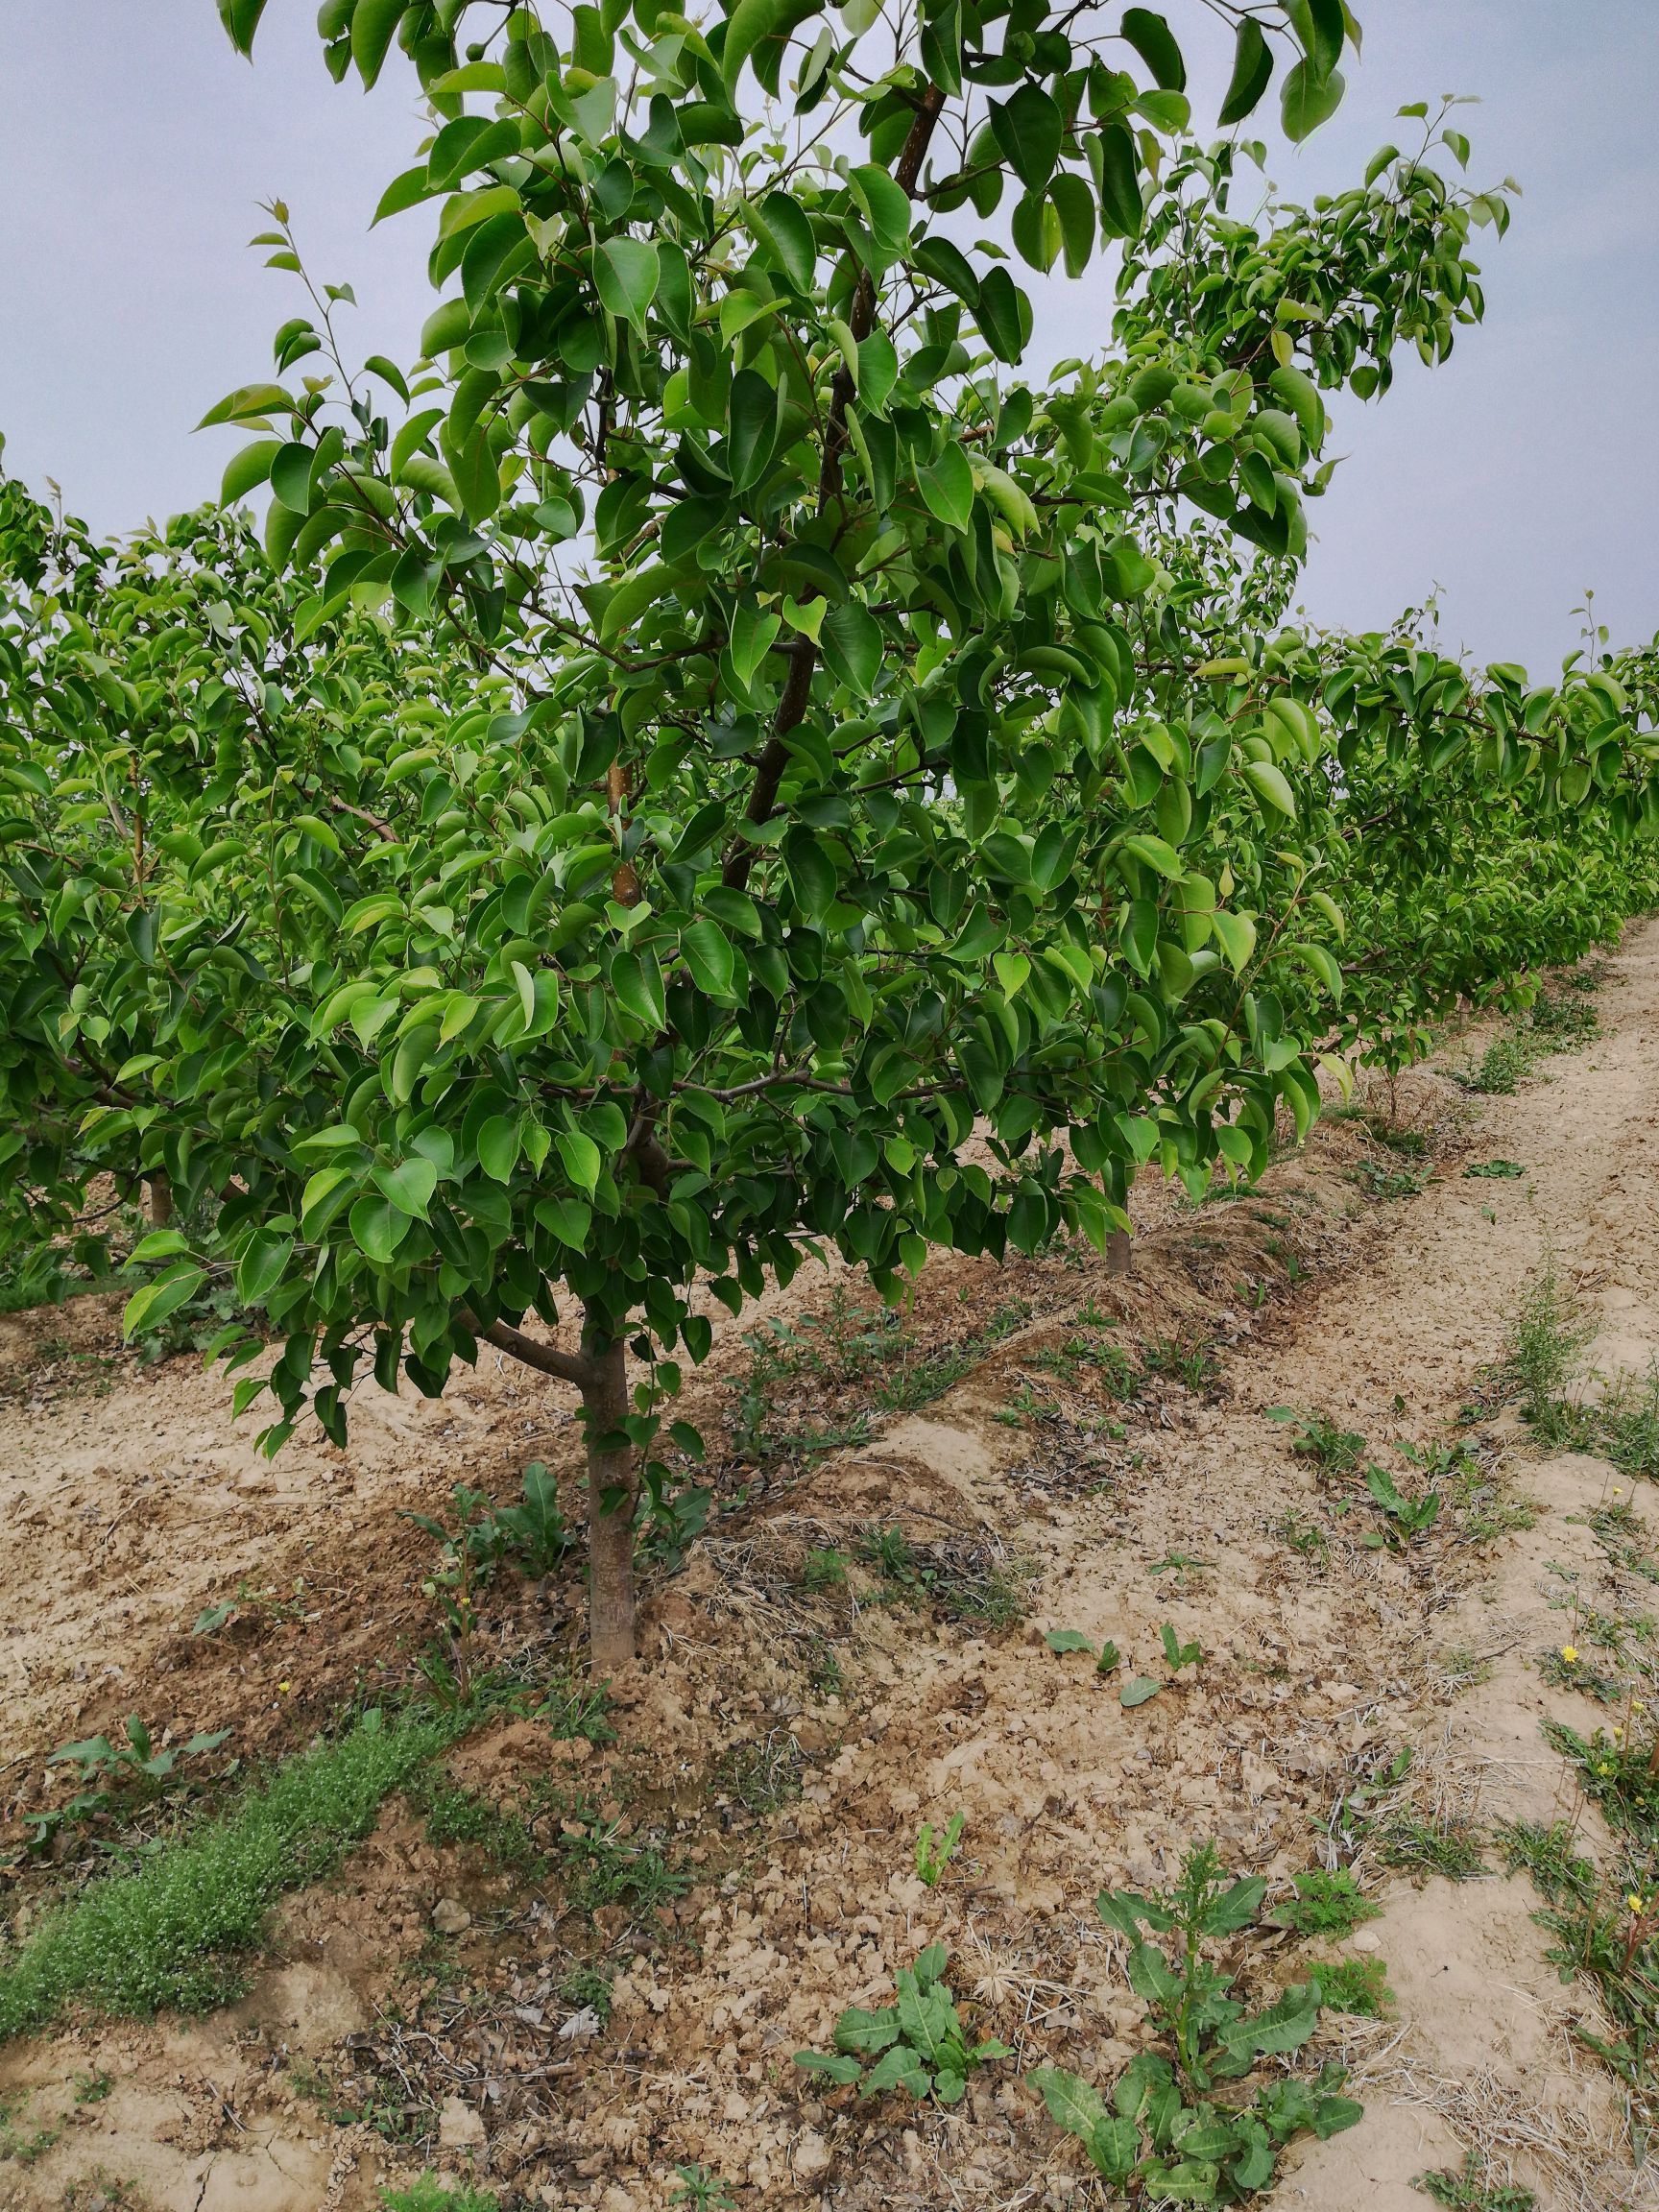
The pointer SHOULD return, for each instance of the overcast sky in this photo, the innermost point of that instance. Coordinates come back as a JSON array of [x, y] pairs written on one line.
[[135, 148]]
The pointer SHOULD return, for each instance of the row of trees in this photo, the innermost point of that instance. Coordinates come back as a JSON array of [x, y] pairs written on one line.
[[715, 735]]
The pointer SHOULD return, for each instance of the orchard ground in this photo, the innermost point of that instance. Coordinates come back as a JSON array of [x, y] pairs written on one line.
[[568, 2003]]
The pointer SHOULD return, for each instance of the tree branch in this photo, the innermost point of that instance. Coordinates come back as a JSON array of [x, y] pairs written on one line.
[[545, 1359], [803, 653]]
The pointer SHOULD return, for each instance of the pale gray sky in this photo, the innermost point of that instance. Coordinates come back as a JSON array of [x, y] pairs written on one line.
[[134, 149]]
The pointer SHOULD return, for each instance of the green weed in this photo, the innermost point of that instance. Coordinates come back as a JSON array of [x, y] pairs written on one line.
[[933, 1855], [918, 2044], [1499, 1070], [1472, 2192], [431, 2195], [1165, 2134], [1448, 1845], [1548, 1335], [702, 2190], [1356, 1986], [173, 1930], [1325, 1904]]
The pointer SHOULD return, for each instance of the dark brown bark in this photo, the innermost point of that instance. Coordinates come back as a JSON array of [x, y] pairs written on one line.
[[158, 1198], [599, 1371], [1118, 1252], [611, 1608]]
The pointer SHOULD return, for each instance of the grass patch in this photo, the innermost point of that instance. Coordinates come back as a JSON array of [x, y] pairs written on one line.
[[175, 1929], [1448, 1846]]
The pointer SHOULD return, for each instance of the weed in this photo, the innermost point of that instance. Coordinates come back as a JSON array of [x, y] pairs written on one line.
[[962, 1581], [1195, 1366], [1471, 2192], [1404, 1518], [1163, 2135], [1381, 1181], [1498, 1170], [1629, 1421], [1325, 1905], [933, 1857], [1332, 1449], [1177, 1654], [92, 2088], [1356, 1986], [1448, 1845], [169, 1931], [571, 1709], [1460, 1668], [136, 1765], [1306, 1538], [1500, 1067], [1578, 1673], [22, 2149], [704, 2191], [823, 1570], [458, 1816], [585, 1989], [431, 2195], [605, 1867], [1180, 1564], [765, 1774], [1548, 1335], [918, 2043]]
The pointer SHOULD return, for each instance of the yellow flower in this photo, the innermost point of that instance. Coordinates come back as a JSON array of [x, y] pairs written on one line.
[[1570, 1653], [1635, 1903], [284, 1688]]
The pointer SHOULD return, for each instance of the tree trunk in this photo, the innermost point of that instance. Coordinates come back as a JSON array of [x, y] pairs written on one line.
[[158, 1198], [1117, 1252], [610, 1534]]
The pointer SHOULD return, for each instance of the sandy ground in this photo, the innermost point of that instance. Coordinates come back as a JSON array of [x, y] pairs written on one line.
[[131, 1504]]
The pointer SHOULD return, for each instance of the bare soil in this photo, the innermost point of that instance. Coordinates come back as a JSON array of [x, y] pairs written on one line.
[[795, 1719]]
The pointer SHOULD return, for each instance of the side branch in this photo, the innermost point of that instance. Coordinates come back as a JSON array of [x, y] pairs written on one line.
[[563, 1366]]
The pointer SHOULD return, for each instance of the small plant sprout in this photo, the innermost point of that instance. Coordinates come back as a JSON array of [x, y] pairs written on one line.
[[705, 2192], [933, 1857], [1065, 1640], [919, 2043], [1177, 1654]]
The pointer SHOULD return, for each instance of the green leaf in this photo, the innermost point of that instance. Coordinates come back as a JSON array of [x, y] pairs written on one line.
[[1117, 176], [262, 1264], [409, 1185], [372, 25], [156, 1300], [1137, 1689], [947, 485], [626, 271], [885, 202], [1235, 934], [378, 1229], [1154, 41], [708, 955], [753, 429], [1309, 100], [1272, 787], [241, 19], [1071, 2103], [247, 402], [1252, 73], [248, 469], [1029, 129], [783, 225], [812, 875], [852, 641], [498, 1146], [159, 1244], [1075, 204]]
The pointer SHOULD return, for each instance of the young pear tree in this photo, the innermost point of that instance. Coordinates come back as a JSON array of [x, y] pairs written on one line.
[[736, 738]]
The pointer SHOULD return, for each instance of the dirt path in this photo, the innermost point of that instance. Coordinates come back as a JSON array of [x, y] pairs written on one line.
[[806, 1711]]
